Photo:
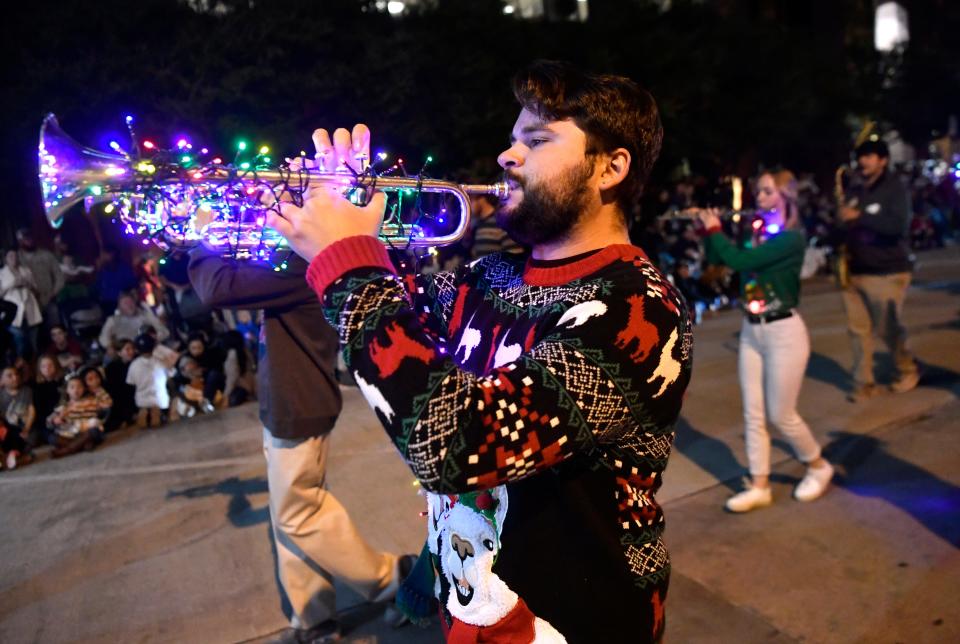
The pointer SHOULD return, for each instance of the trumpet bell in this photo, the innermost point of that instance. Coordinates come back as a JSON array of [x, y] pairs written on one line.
[[71, 173]]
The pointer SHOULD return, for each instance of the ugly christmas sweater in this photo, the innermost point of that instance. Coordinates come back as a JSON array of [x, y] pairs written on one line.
[[562, 380]]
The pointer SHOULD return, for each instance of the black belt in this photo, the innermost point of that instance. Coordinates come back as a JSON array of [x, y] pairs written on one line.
[[768, 317]]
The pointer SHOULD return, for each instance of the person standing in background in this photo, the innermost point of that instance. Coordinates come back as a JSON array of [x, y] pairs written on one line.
[[876, 227]]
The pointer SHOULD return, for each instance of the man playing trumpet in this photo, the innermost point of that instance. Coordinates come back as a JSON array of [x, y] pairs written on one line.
[[560, 375]]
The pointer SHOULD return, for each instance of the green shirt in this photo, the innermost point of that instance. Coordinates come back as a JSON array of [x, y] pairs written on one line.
[[769, 273]]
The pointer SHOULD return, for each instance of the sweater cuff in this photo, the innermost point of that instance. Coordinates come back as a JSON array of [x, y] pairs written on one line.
[[706, 232], [340, 257]]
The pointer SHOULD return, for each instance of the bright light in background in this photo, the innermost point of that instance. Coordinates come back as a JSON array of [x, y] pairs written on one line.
[[890, 27], [395, 7], [508, 9]]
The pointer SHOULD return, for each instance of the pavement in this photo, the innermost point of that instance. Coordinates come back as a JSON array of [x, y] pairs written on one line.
[[163, 535]]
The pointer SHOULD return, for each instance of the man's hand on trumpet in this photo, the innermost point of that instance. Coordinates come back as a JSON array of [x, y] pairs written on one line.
[[327, 216]]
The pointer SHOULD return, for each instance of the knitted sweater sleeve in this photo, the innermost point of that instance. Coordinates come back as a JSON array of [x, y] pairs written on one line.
[[778, 249], [572, 391]]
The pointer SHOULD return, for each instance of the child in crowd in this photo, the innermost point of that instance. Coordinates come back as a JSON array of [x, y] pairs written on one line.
[[189, 400], [93, 379], [13, 447], [16, 404], [210, 360], [75, 421], [123, 394], [241, 381], [46, 393], [149, 376]]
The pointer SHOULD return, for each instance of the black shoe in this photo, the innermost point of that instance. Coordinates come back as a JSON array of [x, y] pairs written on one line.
[[393, 616], [328, 631]]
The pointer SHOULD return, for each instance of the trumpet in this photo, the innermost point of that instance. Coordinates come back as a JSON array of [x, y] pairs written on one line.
[[175, 202]]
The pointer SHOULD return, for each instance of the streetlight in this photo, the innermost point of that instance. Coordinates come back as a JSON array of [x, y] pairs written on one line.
[[890, 31]]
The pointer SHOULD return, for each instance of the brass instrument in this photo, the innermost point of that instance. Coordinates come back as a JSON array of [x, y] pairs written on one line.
[[841, 266], [174, 202], [690, 214]]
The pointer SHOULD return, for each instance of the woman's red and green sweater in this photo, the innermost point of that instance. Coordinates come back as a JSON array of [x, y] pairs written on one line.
[[562, 380]]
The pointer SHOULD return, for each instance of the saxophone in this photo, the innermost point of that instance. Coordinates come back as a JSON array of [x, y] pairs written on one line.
[[841, 267]]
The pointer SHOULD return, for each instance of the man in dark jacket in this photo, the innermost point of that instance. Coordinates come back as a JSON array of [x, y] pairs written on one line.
[[880, 264], [299, 403]]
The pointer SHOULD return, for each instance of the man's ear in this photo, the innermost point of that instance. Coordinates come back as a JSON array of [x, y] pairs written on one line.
[[615, 169]]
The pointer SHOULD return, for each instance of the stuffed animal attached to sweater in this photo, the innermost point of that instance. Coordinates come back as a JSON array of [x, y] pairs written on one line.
[[466, 532]]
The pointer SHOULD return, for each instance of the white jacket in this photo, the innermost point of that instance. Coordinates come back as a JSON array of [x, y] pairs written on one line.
[[25, 297]]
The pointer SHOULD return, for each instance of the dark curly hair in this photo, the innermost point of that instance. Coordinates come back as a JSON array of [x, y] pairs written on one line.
[[613, 111]]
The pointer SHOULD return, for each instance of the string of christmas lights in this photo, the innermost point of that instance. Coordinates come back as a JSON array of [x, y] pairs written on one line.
[[178, 197]]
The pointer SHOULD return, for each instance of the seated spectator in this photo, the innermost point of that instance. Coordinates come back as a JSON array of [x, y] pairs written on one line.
[[16, 403], [189, 400], [18, 287], [93, 379], [75, 421], [127, 321], [114, 277], [161, 352], [123, 394], [688, 249], [13, 447], [149, 375], [46, 394], [238, 370], [8, 348], [75, 294], [149, 286], [210, 360], [65, 348], [690, 289], [487, 236]]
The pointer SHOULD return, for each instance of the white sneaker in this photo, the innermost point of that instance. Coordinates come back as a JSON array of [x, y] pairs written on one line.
[[814, 483], [750, 499], [11, 461]]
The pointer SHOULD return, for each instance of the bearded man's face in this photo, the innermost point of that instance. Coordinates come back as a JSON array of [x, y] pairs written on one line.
[[550, 208]]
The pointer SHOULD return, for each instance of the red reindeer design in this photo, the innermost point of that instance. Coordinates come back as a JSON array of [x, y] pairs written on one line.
[[656, 603], [638, 330], [388, 358]]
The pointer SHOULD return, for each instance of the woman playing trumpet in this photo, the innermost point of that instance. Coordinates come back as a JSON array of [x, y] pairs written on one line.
[[774, 344]]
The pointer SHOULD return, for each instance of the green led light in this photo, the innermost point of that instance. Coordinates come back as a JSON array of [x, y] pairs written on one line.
[[242, 145], [429, 159], [245, 165], [96, 190], [185, 158]]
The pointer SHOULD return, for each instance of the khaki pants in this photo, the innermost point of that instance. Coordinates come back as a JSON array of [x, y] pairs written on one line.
[[316, 539], [874, 304]]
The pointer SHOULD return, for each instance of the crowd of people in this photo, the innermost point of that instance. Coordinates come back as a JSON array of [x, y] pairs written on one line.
[[90, 349], [674, 244]]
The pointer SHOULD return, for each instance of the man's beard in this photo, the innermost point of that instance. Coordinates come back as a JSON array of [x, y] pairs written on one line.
[[547, 215]]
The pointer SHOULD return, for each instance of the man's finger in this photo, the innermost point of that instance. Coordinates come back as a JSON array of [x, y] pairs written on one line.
[[342, 148], [325, 153], [279, 224], [361, 146]]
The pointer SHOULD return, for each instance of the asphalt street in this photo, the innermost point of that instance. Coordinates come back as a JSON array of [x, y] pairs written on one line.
[[163, 535]]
